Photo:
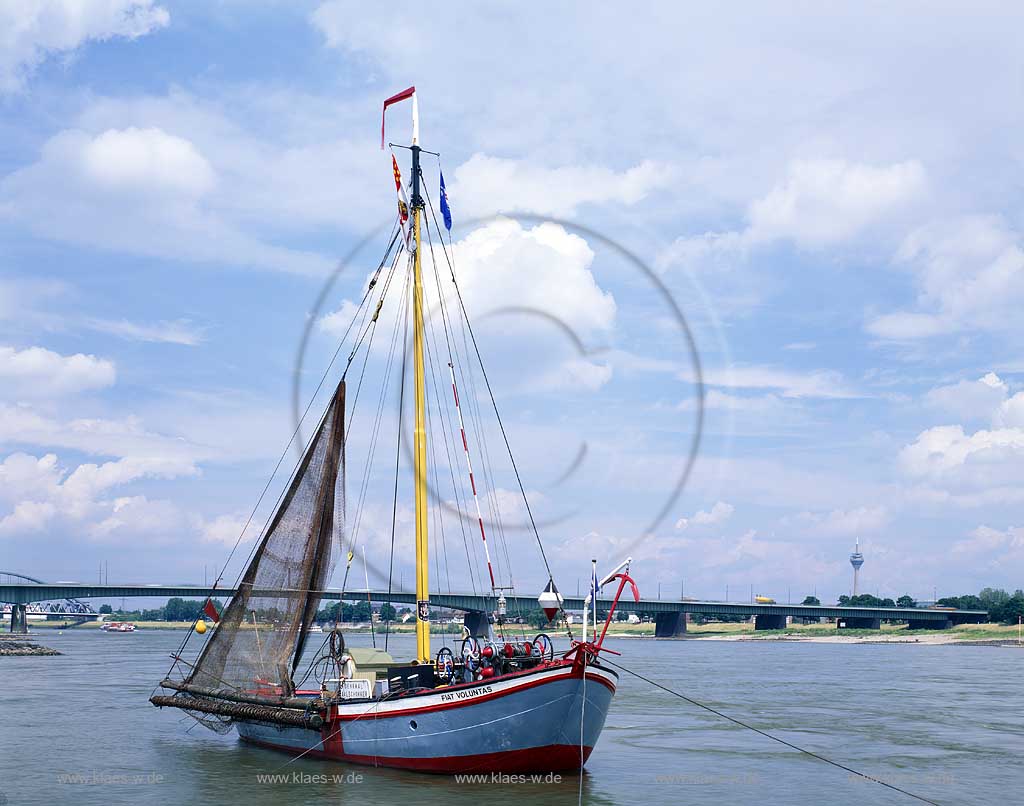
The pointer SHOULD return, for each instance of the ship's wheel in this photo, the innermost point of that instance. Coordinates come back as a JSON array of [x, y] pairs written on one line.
[[544, 647], [470, 657], [445, 665]]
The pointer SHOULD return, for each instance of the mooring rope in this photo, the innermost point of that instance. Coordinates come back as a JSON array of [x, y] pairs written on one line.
[[767, 735]]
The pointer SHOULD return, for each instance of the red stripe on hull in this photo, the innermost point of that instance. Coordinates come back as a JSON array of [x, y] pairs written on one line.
[[551, 758]]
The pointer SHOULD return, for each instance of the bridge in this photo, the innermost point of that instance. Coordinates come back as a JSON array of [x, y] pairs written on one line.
[[70, 609], [670, 616]]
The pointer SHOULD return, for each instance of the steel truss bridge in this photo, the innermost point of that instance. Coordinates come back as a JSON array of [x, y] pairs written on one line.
[[670, 616]]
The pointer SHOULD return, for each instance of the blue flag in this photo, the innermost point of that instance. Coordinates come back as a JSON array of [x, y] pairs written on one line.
[[446, 211], [593, 582]]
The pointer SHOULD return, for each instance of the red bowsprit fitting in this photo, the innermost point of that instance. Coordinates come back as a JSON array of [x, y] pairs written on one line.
[[623, 578], [581, 650]]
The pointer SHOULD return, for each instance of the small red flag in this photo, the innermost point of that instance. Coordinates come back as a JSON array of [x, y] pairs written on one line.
[[394, 99], [210, 609]]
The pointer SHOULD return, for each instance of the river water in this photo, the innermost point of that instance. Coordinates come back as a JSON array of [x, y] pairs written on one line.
[[946, 722]]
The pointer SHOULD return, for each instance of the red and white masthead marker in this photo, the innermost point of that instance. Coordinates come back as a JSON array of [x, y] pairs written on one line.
[[404, 95]]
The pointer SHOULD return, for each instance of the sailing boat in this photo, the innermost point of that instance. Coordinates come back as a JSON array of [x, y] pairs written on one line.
[[500, 705]]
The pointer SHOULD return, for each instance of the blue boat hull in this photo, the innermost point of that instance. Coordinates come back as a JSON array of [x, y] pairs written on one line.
[[539, 721]]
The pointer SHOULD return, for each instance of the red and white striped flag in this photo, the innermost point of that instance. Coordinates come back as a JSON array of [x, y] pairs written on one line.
[[403, 199]]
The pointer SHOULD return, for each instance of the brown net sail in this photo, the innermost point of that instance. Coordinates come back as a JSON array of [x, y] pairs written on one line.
[[259, 641]]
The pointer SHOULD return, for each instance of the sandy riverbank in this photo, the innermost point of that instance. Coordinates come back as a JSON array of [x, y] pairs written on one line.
[[937, 638], [996, 634], [977, 634]]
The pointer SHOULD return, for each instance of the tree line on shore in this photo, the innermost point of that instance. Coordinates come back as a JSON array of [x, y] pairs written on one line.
[[178, 609], [1002, 607]]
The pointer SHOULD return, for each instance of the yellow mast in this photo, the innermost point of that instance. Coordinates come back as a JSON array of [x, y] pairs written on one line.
[[420, 434]]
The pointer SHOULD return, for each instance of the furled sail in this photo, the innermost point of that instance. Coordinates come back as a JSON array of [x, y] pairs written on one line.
[[259, 641]]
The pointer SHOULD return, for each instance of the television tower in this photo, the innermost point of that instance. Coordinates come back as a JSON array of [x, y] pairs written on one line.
[[856, 560]]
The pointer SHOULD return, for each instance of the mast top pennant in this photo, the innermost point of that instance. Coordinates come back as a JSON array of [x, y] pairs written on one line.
[[404, 95]]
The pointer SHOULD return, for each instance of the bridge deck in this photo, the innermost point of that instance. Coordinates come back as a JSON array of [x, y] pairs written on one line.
[[23, 594]]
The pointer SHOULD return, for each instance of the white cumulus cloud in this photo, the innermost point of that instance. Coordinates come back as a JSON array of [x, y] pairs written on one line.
[[1010, 413], [970, 399], [226, 529], [542, 268], [948, 455], [140, 190], [820, 203], [531, 281], [970, 275], [136, 516], [824, 202], [31, 30], [844, 522], [485, 185], [37, 372], [145, 159], [719, 513], [39, 492], [951, 463], [1001, 545]]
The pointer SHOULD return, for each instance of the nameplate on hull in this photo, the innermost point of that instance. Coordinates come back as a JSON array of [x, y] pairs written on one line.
[[356, 689]]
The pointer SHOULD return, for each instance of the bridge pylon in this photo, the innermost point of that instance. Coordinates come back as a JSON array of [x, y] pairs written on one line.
[[19, 619]]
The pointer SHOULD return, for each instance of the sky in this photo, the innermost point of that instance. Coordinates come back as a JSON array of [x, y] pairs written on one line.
[[828, 201]]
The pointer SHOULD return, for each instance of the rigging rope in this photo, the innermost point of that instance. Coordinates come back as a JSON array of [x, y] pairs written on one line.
[[497, 415], [446, 417], [375, 432], [462, 428], [432, 466], [466, 372], [490, 486], [398, 450], [767, 735], [277, 466]]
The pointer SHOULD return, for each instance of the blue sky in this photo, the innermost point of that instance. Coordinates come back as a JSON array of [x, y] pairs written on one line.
[[832, 199]]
